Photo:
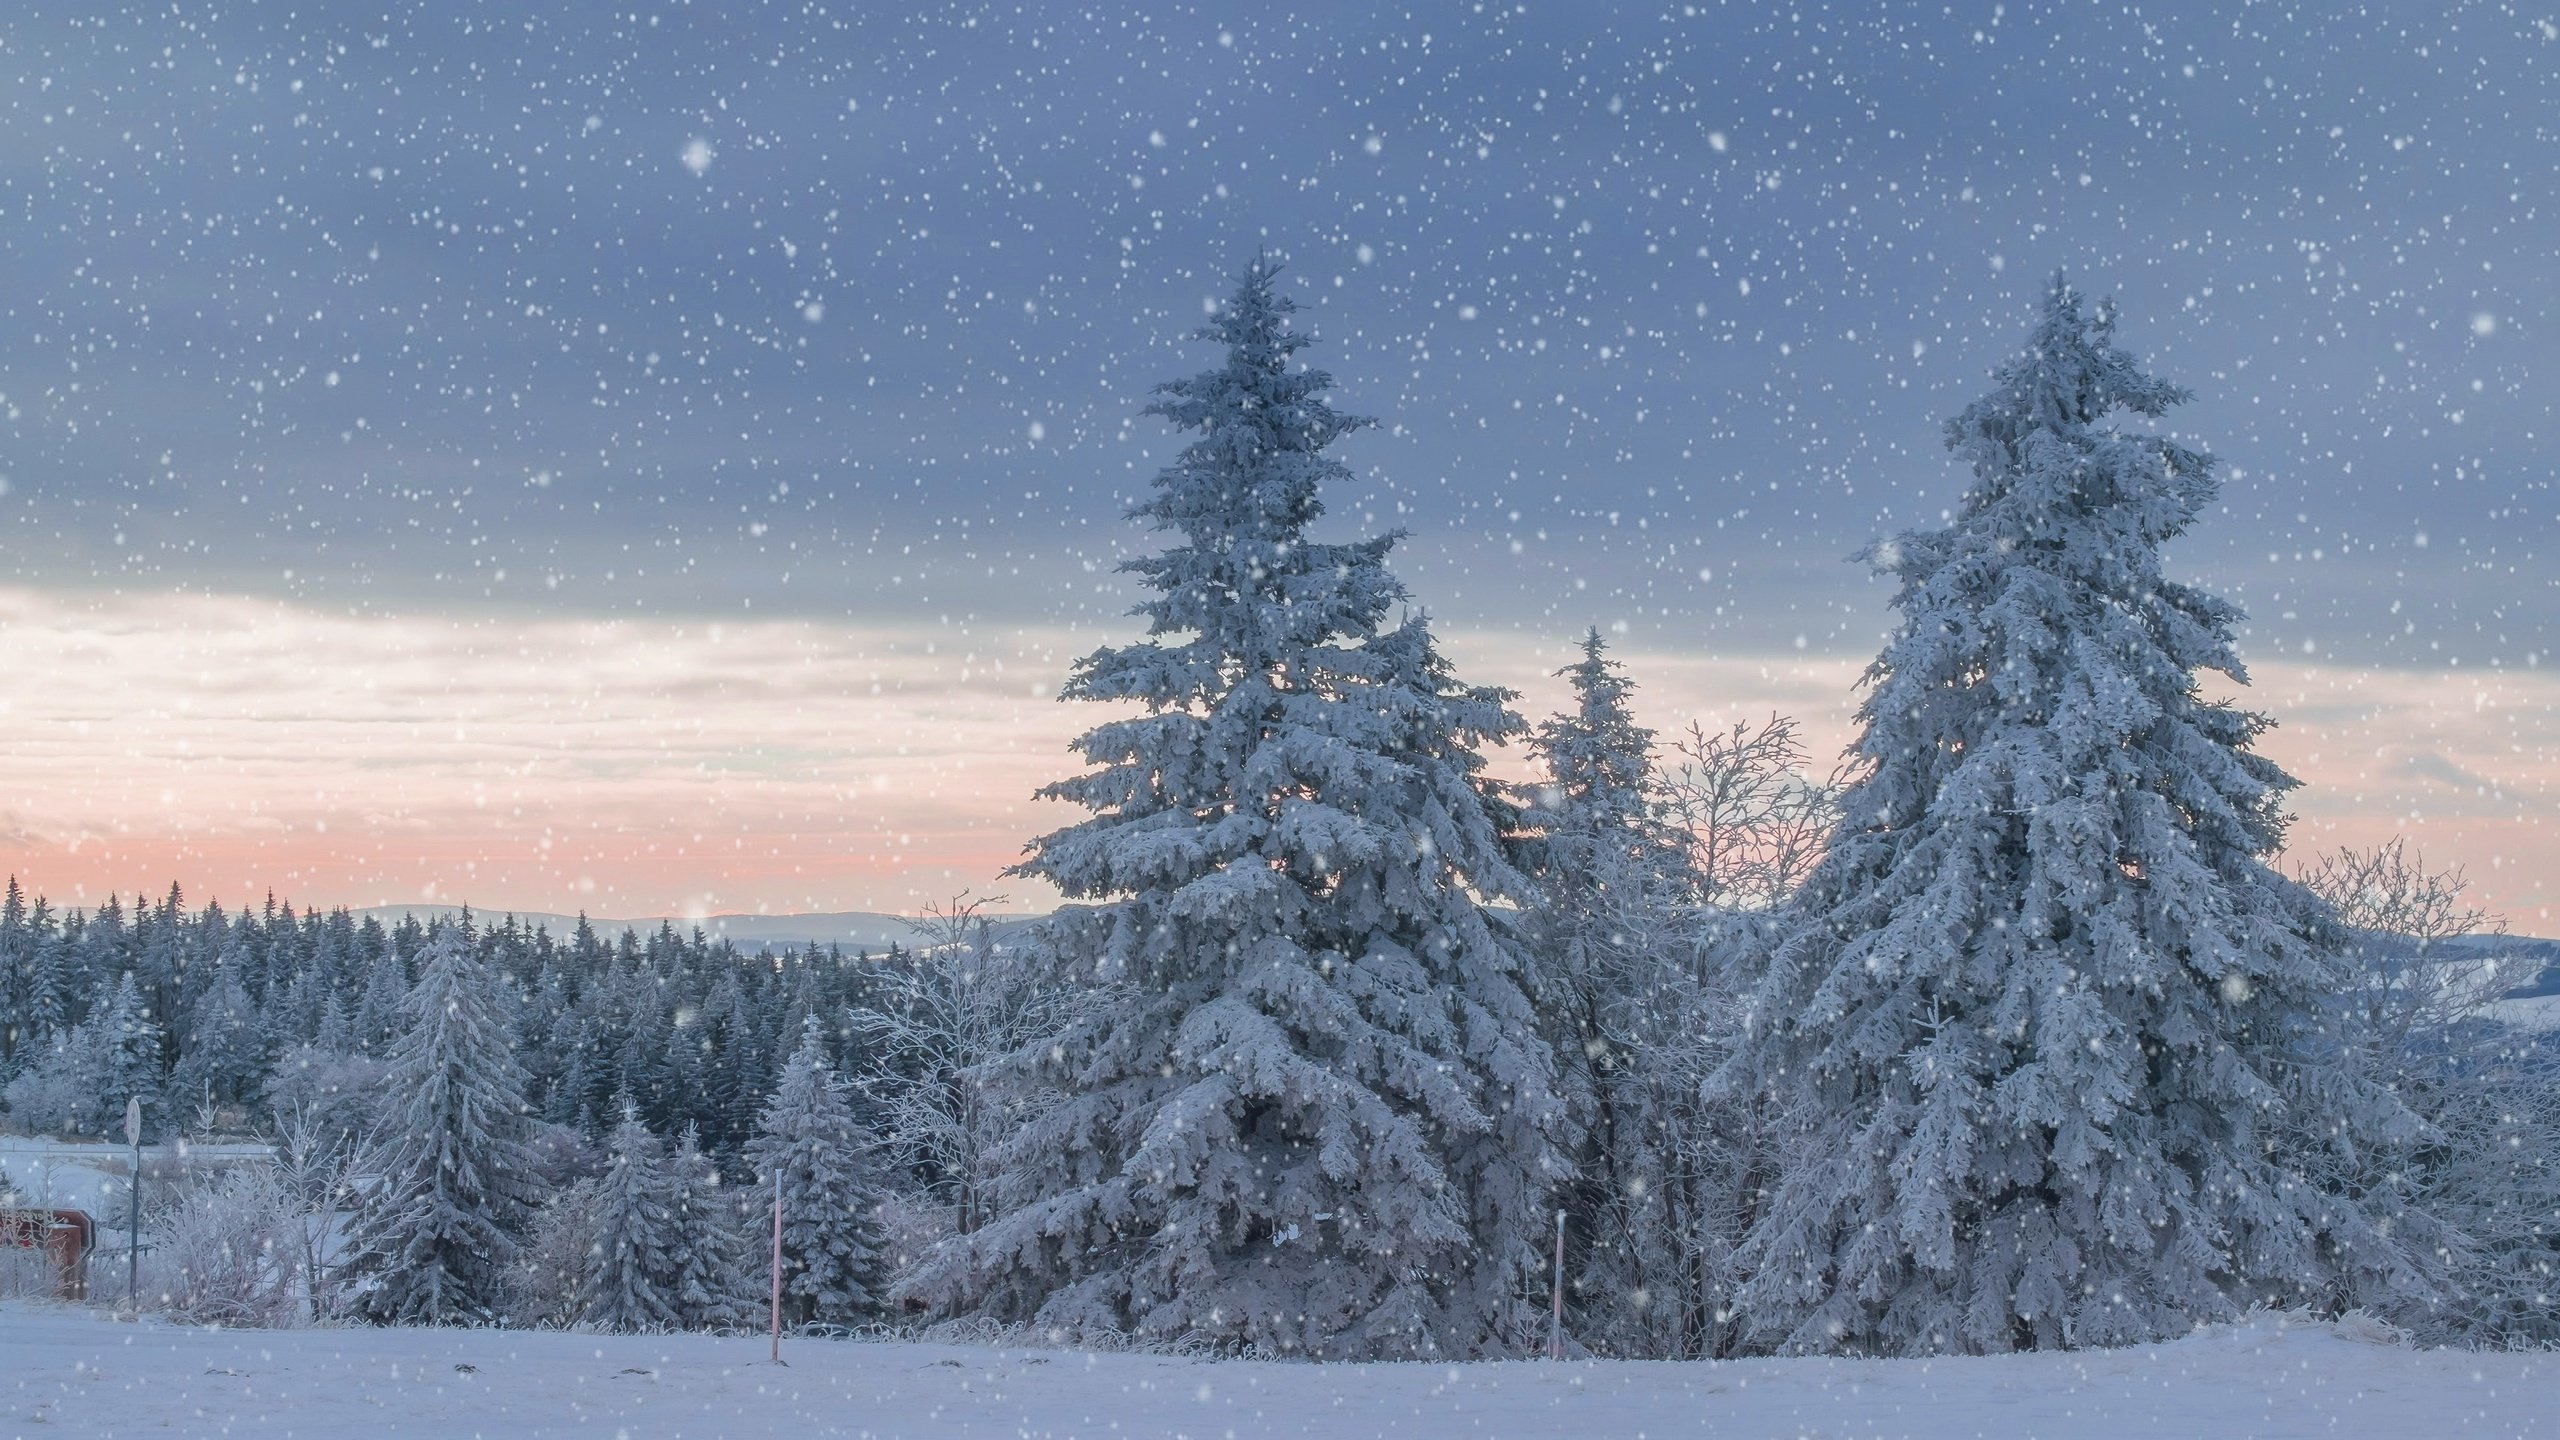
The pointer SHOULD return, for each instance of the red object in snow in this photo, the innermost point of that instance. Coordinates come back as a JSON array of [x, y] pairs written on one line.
[[65, 1236]]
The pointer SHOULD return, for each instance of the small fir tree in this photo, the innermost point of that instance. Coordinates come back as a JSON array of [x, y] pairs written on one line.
[[51, 977], [17, 980], [720, 1257], [1619, 937], [830, 1194], [222, 1055], [636, 1253], [127, 1045]]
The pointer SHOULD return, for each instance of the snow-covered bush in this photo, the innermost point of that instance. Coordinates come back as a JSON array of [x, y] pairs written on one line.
[[57, 1092], [314, 1167], [561, 1157], [338, 1091], [946, 1012], [2483, 1189], [226, 1252], [2491, 1178], [543, 1286]]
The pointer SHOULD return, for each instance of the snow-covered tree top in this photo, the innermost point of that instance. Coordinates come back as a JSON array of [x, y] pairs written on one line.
[[2046, 582], [1599, 761], [1247, 583]]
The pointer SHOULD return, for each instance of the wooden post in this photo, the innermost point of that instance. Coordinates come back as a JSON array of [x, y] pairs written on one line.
[[777, 1264], [1555, 1318]]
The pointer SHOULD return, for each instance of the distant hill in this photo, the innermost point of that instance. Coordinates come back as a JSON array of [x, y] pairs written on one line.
[[851, 929], [2539, 974]]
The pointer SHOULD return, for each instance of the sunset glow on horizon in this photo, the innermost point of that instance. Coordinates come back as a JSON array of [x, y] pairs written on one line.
[[641, 767]]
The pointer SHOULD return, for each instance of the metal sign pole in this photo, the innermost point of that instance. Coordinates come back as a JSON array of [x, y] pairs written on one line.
[[1555, 1318], [133, 1208], [777, 1264]]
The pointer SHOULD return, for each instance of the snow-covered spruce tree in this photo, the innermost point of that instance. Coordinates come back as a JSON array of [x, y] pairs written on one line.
[[377, 1016], [50, 979], [2044, 1001], [830, 1191], [1597, 761], [1614, 931], [435, 1234], [1316, 1118], [1608, 864], [635, 1251], [17, 982]]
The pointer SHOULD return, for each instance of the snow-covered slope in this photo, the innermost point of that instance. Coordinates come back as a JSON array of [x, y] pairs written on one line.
[[73, 1373]]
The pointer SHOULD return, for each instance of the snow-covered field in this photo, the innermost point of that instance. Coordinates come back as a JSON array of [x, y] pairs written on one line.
[[72, 1372]]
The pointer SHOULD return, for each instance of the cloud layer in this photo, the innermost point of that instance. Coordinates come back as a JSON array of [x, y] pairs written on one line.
[[842, 310], [242, 745]]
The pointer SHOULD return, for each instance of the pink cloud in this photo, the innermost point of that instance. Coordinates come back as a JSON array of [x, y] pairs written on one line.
[[673, 766]]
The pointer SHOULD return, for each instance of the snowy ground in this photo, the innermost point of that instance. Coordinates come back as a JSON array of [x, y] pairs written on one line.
[[72, 1372]]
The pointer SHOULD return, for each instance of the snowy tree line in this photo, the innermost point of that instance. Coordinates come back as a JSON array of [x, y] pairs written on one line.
[[211, 1015], [629, 1098], [2007, 1032]]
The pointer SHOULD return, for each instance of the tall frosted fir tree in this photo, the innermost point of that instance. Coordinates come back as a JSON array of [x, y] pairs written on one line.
[[433, 1241], [2047, 1003], [1608, 869], [1315, 1116], [830, 1190]]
